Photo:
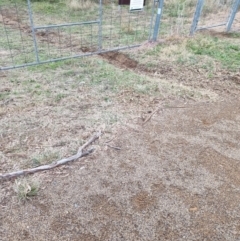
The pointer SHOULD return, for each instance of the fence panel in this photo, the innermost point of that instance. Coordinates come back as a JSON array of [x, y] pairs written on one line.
[[16, 41], [215, 14], [40, 32], [233, 23]]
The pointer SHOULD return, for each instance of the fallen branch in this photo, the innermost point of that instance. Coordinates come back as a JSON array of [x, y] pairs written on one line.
[[63, 161]]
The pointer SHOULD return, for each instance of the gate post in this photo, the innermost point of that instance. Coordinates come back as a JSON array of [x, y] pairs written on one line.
[[196, 17], [100, 13], [33, 30], [158, 20], [234, 10]]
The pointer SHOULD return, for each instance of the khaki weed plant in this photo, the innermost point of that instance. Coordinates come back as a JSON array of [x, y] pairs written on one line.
[[26, 188]]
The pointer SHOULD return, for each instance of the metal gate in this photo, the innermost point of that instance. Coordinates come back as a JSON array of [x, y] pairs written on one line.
[[227, 23], [36, 33]]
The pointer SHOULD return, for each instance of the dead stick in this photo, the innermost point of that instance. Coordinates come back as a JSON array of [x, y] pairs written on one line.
[[63, 161], [176, 107], [165, 107], [149, 117], [114, 147]]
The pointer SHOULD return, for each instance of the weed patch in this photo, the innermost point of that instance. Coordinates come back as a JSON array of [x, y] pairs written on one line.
[[225, 52], [26, 188], [43, 159]]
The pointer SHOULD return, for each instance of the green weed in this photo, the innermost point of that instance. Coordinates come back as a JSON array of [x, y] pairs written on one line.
[[43, 159], [59, 97], [227, 53], [4, 95]]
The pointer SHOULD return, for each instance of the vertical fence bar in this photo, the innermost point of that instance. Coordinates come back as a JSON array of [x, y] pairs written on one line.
[[100, 12], [231, 18], [33, 30], [196, 17], [151, 22], [158, 20]]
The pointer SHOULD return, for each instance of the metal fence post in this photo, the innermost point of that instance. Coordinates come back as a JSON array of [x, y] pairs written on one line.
[[197, 15], [151, 23], [158, 20], [100, 12], [234, 10], [33, 30]]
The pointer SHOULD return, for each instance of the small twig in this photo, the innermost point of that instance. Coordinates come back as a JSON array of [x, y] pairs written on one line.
[[132, 128], [114, 147], [110, 140], [63, 161], [150, 116], [164, 107], [175, 107]]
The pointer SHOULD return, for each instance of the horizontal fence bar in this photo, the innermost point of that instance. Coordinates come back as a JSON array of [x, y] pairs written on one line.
[[65, 25], [69, 57], [211, 26], [33, 31], [196, 17]]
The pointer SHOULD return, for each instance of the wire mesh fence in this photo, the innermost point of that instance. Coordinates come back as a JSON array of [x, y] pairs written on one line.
[[34, 32], [217, 14], [39, 32], [178, 16], [234, 18], [16, 40]]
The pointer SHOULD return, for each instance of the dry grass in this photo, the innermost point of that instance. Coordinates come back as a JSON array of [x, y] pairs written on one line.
[[192, 3], [170, 177], [79, 4], [26, 188], [85, 4], [174, 178], [180, 13]]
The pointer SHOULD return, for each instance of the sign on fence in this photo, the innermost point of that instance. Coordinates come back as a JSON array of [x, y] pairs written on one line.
[[136, 5], [127, 2]]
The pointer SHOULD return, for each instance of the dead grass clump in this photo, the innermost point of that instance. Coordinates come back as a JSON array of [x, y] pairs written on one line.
[[215, 6], [127, 28], [85, 4], [80, 4], [26, 188]]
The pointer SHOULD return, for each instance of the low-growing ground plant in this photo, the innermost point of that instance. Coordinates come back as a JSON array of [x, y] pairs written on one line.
[[26, 188]]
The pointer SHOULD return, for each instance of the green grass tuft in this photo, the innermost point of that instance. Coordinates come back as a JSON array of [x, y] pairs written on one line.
[[228, 54]]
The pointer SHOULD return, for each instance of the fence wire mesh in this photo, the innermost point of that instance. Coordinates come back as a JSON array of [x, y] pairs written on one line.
[[234, 18], [216, 14], [45, 31], [38, 32], [16, 43], [178, 16]]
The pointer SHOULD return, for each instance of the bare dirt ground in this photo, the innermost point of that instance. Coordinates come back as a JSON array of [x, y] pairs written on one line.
[[174, 176]]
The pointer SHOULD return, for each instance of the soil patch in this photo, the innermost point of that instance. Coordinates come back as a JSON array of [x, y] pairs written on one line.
[[223, 82], [120, 60]]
